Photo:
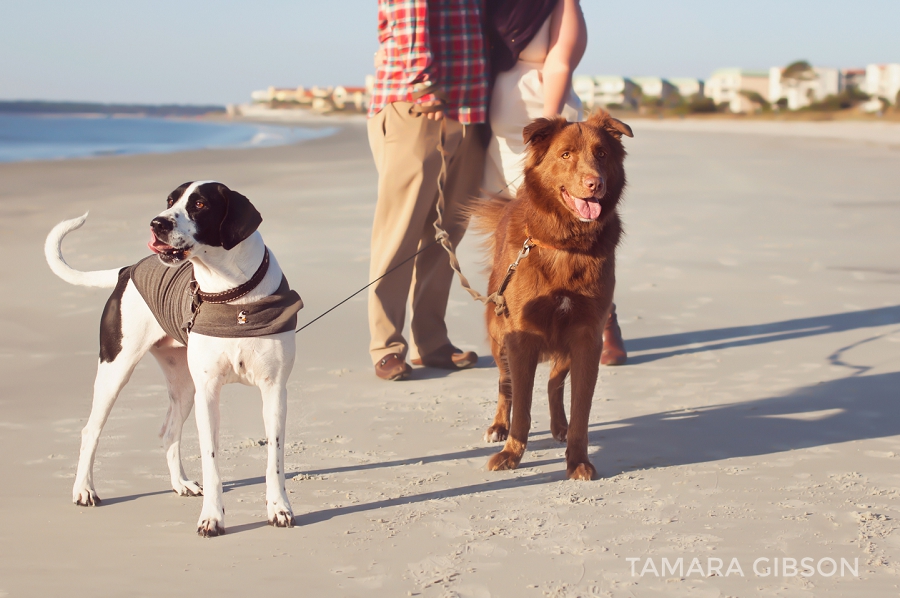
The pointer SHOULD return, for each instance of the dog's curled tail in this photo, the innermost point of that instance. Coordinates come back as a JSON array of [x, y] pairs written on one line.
[[106, 279]]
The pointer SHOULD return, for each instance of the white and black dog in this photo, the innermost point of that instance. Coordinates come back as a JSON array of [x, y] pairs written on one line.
[[228, 294]]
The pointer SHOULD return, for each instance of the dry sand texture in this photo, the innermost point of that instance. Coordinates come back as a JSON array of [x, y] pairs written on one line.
[[757, 418]]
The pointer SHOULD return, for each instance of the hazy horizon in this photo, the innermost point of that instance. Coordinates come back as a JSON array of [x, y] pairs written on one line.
[[204, 52]]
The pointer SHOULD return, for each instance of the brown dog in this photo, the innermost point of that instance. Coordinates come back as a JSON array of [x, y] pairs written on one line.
[[558, 298]]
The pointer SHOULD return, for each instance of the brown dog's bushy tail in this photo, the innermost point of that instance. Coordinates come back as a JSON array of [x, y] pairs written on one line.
[[484, 217]]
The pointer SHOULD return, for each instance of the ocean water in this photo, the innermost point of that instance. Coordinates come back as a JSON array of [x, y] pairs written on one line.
[[32, 137]]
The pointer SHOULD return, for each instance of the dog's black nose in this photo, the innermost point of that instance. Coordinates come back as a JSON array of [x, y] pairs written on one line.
[[161, 225]]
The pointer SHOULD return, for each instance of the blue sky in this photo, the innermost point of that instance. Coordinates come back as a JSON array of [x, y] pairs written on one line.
[[204, 51]]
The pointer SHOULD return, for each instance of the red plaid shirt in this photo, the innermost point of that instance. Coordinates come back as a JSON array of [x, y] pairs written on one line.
[[433, 43]]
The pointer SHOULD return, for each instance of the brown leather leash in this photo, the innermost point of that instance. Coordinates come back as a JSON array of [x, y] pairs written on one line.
[[441, 235]]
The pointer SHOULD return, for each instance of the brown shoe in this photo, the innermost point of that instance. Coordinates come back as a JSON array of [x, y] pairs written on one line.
[[613, 345], [392, 367], [448, 357]]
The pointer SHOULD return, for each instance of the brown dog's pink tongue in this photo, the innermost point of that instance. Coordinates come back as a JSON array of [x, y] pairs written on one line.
[[587, 209], [157, 246]]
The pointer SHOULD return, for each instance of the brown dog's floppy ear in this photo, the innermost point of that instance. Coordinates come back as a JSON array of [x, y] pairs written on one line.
[[617, 128], [613, 126], [538, 131], [241, 218]]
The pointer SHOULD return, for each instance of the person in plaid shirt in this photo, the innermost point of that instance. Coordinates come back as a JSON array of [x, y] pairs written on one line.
[[431, 80]]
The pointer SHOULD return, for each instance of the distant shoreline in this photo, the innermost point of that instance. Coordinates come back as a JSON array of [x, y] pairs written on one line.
[[39, 107], [30, 136]]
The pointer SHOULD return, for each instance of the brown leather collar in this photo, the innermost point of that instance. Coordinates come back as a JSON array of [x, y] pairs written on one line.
[[240, 291]]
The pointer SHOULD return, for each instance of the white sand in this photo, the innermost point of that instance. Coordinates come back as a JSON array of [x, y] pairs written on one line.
[[757, 417]]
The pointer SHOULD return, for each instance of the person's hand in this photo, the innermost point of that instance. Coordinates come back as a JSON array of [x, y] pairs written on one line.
[[380, 56], [436, 115]]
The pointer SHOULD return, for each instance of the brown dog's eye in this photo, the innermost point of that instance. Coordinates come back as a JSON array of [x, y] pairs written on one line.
[[601, 153], [565, 155]]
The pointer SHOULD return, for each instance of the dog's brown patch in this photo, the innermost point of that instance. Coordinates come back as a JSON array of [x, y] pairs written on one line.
[[560, 296]]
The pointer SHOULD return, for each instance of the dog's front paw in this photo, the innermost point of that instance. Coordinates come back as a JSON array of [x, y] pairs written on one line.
[[187, 488], [581, 471], [496, 433], [281, 518], [279, 511], [85, 497], [210, 527], [504, 460]]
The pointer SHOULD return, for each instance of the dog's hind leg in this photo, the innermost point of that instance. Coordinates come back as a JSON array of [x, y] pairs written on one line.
[[499, 428], [173, 362], [559, 426], [522, 352], [122, 346]]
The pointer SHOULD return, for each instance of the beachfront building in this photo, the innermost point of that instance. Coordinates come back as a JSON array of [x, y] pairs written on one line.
[[344, 97], [853, 78], [883, 81], [687, 87], [736, 87], [654, 87], [607, 91], [801, 87], [320, 99], [287, 95]]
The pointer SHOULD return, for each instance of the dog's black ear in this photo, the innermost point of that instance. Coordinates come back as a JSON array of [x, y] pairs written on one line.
[[241, 218]]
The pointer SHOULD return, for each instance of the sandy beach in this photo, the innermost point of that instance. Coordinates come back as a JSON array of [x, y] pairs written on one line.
[[755, 424]]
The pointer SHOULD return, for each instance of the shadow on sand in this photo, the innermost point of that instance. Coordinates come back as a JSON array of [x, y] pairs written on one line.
[[857, 407], [852, 408], [426, 373], [670, 345]]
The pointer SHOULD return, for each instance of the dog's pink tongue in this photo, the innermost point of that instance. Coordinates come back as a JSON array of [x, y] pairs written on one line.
[[587, 209], [157, 246]]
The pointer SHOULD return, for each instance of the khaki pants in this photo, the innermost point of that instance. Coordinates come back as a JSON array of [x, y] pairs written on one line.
[[408, 162]]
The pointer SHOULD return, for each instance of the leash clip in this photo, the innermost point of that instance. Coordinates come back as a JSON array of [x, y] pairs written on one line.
[[526, 249]]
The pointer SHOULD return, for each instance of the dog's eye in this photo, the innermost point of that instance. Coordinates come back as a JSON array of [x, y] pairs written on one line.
[[601, 153], [170, 202], [565, 155], [199, 204]]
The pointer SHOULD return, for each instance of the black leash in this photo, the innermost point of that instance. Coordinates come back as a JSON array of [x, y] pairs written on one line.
[[443, 238], [430, 245]]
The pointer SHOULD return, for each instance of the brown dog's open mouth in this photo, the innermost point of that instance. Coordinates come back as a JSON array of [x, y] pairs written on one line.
[[166, 253], [587, 208]]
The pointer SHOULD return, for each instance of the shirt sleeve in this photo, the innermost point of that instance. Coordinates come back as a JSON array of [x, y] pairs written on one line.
[[408, 22]]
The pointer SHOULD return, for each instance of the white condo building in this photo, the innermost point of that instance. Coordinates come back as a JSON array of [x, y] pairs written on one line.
[[802, 92], [608, 90], [687, 87], [656, 87], [726, 85], [883, 81]]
